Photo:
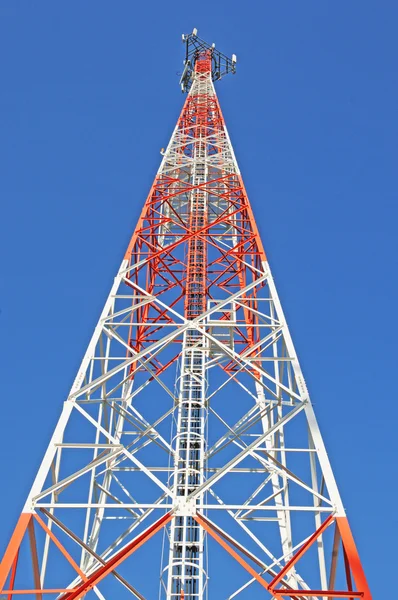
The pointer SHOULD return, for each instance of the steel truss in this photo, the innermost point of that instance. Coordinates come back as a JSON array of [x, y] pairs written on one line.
[[189, 413]]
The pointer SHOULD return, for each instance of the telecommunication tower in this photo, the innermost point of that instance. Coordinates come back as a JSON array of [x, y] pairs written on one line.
[[189, 422]]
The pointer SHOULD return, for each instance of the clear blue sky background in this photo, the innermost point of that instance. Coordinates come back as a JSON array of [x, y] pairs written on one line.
[[89, 94]]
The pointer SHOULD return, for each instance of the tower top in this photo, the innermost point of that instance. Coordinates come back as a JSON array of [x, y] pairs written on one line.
[[194, 45]]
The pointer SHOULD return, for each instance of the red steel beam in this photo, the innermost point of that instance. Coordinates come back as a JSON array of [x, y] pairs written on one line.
[[13, 574], [302, 551], [318, 593], [13, 547], [353, 557], [111, 564], [232, 552]]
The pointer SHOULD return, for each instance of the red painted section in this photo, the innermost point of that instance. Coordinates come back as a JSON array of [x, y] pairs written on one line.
[[352, 557], [119, 557], [13, 547], [302, 551]]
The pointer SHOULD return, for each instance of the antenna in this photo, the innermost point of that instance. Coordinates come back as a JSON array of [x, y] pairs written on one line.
[[221, 64]]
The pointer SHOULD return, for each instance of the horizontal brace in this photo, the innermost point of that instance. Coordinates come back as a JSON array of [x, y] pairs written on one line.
[[258, 519], [71, 445], [268, 358], [51, 591], [314, 509], [230, 325], [289, 449], [323, 593], [206, 470]]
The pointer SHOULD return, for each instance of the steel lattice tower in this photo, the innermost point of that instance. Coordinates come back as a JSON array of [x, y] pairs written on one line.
[[189, 413]]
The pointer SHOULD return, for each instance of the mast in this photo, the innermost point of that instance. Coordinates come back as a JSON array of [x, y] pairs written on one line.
[[189, 414]]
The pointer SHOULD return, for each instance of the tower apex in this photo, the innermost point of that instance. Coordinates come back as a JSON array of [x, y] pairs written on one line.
[[194, 45]]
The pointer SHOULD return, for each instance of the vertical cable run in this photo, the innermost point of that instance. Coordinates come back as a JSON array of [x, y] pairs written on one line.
[[186, 569]]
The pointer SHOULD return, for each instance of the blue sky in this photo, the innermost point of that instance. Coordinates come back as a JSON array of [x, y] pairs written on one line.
[[89, 96]]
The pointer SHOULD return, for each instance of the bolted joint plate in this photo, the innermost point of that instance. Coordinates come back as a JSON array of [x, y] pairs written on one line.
[[185, 508]]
